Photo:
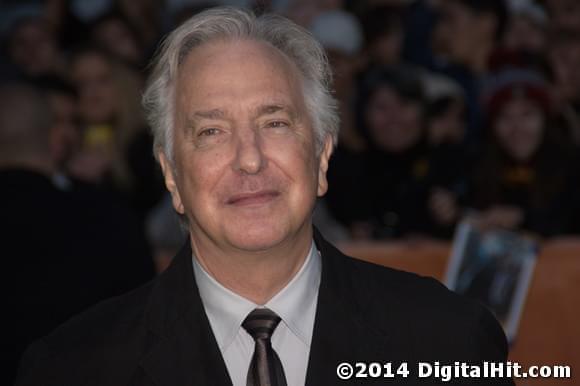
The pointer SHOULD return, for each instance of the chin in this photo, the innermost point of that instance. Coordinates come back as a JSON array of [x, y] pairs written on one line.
[[257, 237]]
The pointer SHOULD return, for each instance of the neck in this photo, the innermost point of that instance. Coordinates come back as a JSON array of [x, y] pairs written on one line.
[[254, 275]]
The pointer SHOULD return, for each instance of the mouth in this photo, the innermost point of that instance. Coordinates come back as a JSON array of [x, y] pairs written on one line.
[[255, 198]]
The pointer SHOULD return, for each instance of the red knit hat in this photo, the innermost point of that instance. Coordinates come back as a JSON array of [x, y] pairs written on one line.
[[513, 83]]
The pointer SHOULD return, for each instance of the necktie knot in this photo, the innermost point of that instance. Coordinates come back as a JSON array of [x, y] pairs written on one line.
[[261, 323], [265, 368]]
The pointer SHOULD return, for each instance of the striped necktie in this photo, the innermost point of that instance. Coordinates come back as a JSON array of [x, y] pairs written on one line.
[[265, 368]]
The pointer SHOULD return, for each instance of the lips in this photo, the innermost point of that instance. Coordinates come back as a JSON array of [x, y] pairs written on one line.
[[254, 198]]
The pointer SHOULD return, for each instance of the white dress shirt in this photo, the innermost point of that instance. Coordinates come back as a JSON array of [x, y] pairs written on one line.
[[295, 304]]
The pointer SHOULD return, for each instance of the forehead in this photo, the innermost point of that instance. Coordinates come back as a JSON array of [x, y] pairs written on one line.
[[226, 74], [519, 100]]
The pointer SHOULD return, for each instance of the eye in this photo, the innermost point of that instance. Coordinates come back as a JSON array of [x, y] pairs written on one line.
[[210, 131], [277, 124]]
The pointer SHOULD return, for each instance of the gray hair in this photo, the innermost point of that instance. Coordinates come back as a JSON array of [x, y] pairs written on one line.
[[232, 23]]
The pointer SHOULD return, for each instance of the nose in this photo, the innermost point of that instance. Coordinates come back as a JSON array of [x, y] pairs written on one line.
[[249, 155]]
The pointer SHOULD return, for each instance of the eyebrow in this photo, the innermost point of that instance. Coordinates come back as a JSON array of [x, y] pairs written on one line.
[[274, 108]]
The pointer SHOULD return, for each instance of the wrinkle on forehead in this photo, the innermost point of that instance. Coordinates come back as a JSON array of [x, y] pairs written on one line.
[[259, 111], [202, 67]]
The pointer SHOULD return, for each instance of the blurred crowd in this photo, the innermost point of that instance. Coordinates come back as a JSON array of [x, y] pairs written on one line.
[[449, 109]]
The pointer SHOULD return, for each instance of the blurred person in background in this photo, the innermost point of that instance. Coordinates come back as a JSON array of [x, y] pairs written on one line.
[[33, 48], [420, 26], [340, 33], [564, 58], [146, 19], [113, 33], [65, 131], [467, 33], [64, 248], [109, 114], [528, 175], [384, 192], [446, 120], [451, 161], [73, 21], [366, 191], [68, 19], [527, 26], [384, 34], [115, 143], [564, 14]]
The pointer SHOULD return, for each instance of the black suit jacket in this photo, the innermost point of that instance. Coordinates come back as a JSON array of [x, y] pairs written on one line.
[[159, 334], [47, 274]]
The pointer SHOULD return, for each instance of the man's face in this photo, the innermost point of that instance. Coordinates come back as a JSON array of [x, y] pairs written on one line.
[[246, 171]]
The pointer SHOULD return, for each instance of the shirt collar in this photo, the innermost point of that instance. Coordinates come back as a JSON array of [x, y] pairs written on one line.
[[226, 310]]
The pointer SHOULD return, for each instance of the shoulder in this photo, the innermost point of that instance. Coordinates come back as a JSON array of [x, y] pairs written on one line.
[[105, 340], [420, 294], [116, 315], [367, 280], [428, 318]]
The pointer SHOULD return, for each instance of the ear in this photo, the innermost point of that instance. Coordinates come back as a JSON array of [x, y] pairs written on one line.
[[323, 165], [170, 182]]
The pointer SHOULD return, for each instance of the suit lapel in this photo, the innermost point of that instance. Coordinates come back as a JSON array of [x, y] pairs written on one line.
[[343, 330], [182, 348]]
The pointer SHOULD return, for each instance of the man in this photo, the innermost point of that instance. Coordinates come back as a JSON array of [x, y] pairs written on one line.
[[244, 127], [47, 223]]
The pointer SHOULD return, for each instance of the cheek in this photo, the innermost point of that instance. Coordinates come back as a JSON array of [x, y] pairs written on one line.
[[412, 122], [296, 162], [377, 122], [502, 131], [535, 128], [294, 158], [198, 177], [535, 138]]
